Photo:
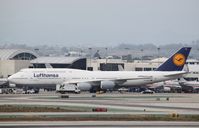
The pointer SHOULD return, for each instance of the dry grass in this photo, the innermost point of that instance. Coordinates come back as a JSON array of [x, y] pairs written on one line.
[[103, 118], [19, 108]]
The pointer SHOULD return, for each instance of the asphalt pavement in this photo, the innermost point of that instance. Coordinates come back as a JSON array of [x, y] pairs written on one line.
[[99, 124]]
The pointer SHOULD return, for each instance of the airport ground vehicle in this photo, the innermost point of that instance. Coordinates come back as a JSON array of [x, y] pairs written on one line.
[[67, 89], [148, 92], [8, 90], [11, 91], [121, 90], [31, 91]]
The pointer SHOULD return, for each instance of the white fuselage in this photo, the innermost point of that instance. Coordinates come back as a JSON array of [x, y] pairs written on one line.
[[194, 84], [58, 76]]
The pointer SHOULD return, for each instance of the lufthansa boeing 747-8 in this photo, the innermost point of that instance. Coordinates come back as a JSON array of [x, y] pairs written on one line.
[[85, 80]]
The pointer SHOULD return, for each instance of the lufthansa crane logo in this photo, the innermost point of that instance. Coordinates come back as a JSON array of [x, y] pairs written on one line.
[[179, 59]]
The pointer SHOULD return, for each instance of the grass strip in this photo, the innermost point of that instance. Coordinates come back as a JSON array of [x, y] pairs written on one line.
[[103, 118]]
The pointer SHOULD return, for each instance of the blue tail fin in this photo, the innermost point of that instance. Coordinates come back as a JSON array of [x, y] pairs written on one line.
[[175, 62]]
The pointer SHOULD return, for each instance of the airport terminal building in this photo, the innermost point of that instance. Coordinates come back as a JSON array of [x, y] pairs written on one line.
[[141, 65], [12, 60], [59, 62], [113, 64]]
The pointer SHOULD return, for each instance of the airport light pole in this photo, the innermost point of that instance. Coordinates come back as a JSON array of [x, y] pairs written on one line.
[[127, 54], [106, 54], [141, 54], [90, 50], [158, 55], [36, 50]]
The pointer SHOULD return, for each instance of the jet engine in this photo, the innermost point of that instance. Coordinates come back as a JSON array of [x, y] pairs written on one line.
[[84, 86], [107, 84]]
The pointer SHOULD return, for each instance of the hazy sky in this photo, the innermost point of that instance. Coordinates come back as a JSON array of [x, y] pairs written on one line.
[[98, 22]]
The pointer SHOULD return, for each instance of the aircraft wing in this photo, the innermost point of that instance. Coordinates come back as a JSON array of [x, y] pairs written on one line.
[[176, 74], [116, 80]]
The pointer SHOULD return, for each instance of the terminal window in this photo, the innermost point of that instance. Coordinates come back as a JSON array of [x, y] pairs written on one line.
[[138, 69], [110, 66]]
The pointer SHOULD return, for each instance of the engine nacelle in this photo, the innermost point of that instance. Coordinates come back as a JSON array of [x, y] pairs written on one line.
[[107, 84], [12, 85], [84, 86]]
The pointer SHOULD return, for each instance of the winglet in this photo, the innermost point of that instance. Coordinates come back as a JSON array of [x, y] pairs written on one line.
[[176, 62]]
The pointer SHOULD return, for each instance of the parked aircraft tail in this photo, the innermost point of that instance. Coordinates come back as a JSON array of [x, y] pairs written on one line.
[[176, 62]]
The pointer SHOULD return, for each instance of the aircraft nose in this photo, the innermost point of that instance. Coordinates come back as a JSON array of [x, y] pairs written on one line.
[[10, 78]]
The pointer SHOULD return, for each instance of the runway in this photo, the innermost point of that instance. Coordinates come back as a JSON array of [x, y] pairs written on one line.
[[118, 105], [137, 103], [99, 124]]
